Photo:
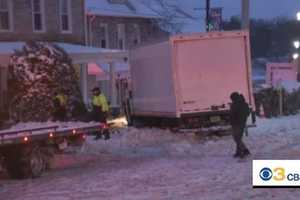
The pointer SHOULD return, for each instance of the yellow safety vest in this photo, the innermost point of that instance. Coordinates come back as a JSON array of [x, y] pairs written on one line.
[[62, 99], [101, 101]]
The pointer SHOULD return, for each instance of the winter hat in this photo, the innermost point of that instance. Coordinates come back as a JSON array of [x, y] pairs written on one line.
[[235, 96]]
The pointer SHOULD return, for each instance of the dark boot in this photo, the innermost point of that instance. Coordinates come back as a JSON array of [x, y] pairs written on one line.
[[246, 152], [98, 136], [106, 134], [236, 154]]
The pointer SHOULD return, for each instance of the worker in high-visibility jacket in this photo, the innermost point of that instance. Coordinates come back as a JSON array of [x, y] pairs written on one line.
[[100, 106], [100, 111], [60, 106]]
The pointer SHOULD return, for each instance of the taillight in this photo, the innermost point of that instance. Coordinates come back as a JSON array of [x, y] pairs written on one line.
[[104, 126], [83, 136], [74, 131], [25, 139], [51, 135]]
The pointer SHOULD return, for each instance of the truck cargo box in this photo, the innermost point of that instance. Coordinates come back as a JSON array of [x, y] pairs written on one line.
[[191, 75]]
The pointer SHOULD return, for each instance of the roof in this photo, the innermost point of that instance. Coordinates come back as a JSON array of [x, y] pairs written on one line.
[[78, 53], [185, 14], [105, 8]]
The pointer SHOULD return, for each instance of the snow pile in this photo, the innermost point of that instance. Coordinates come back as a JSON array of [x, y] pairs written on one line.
[[290, 85], [279, 125], [139, 142], [154, 142], [149, 142]]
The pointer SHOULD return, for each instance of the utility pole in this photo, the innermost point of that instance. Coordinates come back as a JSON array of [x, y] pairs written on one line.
[[207, 15], [245, 14]]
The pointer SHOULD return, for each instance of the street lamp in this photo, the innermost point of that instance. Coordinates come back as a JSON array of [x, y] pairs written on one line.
[[295, 56], [297, 44], [298, 16]]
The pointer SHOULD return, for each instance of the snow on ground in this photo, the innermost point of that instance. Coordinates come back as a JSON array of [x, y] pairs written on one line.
[[154, 164]]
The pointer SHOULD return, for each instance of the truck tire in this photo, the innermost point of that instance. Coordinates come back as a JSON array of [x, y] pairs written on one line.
[[26, 162], [12, 162], [48, 155], [34, 163], [76, 141]]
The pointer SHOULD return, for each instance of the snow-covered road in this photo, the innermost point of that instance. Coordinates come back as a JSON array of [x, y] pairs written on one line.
[[153, 164]]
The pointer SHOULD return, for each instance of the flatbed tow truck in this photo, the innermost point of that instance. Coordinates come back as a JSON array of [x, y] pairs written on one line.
[[27, 152]]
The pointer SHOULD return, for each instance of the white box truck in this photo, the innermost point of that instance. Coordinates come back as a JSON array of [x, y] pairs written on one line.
[[189, 78]]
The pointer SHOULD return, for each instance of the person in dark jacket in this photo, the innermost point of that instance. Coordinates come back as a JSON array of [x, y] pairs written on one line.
[[239, 112]]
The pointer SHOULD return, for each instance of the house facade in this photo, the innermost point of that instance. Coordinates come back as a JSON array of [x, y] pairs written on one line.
[[42, 20], [122, 32], [38, 20], [121, 24], [59, 21]]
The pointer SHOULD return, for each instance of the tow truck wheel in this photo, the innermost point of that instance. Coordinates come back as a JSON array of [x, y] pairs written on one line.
[[34, 163], [24, 162]]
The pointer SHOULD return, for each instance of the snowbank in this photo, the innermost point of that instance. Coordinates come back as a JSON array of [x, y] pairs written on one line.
[[290, 86]]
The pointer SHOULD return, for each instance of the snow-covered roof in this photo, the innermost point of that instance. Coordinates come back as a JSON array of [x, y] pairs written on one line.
[[78, 53], [178, 11], [105, 8], [185, 14]]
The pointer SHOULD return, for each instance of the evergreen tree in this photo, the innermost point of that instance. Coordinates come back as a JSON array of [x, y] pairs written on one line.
[[38, 72]]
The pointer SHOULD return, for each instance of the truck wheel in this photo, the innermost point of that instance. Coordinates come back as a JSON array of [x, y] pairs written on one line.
[[24, 162], [34, 163], [12, 162], [48, 154], [77, 141]]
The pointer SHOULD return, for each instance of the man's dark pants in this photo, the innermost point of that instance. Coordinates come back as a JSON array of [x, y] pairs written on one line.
[[238, 132]]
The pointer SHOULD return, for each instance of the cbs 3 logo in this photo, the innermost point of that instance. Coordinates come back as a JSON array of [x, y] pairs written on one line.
[[278, 174]]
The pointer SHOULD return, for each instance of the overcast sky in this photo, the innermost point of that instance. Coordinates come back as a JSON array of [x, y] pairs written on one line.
[[258, 8]]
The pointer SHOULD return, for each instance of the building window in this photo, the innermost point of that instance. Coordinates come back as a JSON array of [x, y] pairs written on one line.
[[65, 16], [104, 36], [5, 15], [3, 87], [121, 36], [136, 34], [38, 15]]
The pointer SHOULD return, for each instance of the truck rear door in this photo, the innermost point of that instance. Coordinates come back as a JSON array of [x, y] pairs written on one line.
[[208, 70]]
